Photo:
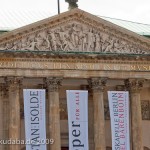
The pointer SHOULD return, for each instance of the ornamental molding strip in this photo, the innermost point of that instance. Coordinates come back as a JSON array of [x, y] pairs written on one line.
[[74, 31]]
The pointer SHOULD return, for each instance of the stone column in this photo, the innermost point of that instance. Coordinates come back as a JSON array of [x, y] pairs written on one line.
[[2, 94], [97, 85], [54, 115], [5, 113], [90, 116], [43, 86], [134, 86], [13, 84]]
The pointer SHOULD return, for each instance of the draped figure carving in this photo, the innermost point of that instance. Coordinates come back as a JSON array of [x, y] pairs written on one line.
[[73, 37]]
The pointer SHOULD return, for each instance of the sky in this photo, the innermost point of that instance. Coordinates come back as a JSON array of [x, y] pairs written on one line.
[[131, 10]]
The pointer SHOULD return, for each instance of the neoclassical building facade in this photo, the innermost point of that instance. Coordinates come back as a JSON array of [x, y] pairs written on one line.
[[74, 51]]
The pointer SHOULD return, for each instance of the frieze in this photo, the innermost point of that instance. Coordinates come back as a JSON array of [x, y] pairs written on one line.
[[73, 37], [56, 64]]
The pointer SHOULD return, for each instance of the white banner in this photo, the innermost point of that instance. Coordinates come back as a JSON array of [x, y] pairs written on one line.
[[34, 110], [119, 113], [77, 103]]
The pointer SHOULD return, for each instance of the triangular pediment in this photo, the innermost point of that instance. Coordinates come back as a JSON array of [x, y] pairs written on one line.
[[75, 31]]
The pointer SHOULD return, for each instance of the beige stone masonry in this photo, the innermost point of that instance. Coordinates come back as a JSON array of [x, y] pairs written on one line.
[[134, 86], [54, 114], [13, 84], [98, 84], [5, 110], [1, 113], [75, 31]]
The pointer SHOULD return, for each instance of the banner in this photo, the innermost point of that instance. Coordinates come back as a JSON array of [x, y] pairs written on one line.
[[77, 103], [34, 110], [119, 113]]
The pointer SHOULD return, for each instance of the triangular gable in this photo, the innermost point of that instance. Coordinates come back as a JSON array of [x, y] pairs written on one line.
[[75, 31]]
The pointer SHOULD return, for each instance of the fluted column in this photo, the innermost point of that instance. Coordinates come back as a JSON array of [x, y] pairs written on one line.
[[90, 116], [4, 104], [43, 86], [13, 84], [2, 98], [54, 116], [1, 115], [134, 86], [98, 84]]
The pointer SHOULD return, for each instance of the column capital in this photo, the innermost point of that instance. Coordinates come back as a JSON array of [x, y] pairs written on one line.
[[53, 83], [13, 81], [3, 89], [97, 83], [2, 85], [134, 85]]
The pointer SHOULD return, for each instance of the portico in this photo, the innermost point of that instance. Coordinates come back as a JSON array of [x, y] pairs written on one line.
[[72, 51]]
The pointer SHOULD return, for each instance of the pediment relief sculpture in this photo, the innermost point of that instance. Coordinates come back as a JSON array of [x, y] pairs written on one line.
[[73, 37]]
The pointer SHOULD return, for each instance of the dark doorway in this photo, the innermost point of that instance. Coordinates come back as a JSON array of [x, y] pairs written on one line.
[[64, 148]]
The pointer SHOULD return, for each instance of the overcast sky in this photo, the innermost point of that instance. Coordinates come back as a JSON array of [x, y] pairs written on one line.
[[132, 10]]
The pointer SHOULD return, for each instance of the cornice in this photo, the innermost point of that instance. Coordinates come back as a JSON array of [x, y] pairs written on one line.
[[75, 59]]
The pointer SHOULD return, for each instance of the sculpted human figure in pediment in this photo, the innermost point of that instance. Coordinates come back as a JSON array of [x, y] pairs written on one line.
[[73, 37]]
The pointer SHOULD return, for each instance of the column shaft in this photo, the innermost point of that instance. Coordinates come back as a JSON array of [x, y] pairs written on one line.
[[90, 116], [4, 115], [6, 121], [136, 121], [54, 115], [99, 122], [1, 114], [97, 84], [90, 122], [134, 87], [14, 110]]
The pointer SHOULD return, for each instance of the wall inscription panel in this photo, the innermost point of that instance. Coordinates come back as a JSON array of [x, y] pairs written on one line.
[[63, 64]]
